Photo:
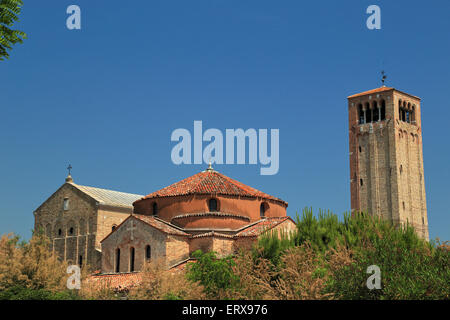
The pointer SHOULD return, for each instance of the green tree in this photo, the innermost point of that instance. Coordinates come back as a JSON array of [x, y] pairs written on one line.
[[9, 13]]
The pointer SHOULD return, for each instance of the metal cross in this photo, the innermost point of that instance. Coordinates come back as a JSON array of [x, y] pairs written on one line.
[[131, 228], [69, 168]]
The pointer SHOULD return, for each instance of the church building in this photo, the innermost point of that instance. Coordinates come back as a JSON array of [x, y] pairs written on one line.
[[116, 232], [207, 211]]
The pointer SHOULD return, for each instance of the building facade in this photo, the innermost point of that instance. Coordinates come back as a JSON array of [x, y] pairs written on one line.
[[386, 157], [76, 218]]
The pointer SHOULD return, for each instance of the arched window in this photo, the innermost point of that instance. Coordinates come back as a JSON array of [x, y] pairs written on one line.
[[80, 261], [117, 260], [368, 113], [361, 182], [59, 232], [113, 227], [376, 112], [71, 231], [360, 114], [383, 110], [404, 111], [155, 209], [212, 204], [148, 252], [66, 204], [262, 209], [131, 259]]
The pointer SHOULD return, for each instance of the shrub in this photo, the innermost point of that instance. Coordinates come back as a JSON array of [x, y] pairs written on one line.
[[30, 271], [215, 275], [158, 283], [411, 268]]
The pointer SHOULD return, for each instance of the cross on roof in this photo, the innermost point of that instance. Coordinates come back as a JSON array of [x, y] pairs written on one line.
[[69, 168], [131, 228]]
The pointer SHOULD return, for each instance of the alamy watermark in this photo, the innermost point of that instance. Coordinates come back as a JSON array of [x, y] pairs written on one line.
[[74, 20], [74, 280], [374, 20], [374, 281], [235, 144]]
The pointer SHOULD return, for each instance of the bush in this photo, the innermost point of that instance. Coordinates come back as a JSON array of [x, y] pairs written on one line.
[[30, 271], [411, 268], [158, 283], [215, 275]]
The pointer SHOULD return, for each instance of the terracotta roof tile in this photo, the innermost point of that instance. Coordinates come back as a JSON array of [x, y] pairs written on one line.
[[211, 214], [160, 225], [210, 182], [212, 234], [261, 226], [115, 281], [381, 89]]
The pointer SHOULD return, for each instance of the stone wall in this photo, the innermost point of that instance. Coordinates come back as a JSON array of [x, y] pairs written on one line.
[[76, 233], [169, 207], [386, 161], [169, 248], [72, 231]]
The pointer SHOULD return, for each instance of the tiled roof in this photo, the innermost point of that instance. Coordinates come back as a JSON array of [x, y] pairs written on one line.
[[120, 281], [211, 214], [154, 222], [210, 182], [381, 89], [116, 281], [109, 197], [212, 234], [160, 225], [256, 229]]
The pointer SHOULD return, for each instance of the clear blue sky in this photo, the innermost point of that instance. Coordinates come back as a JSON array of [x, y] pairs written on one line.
[[106, 98]]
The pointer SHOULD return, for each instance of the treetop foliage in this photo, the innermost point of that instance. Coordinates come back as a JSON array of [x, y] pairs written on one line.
[[9, 13]]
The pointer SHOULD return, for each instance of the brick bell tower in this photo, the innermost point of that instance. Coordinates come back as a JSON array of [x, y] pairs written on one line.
[[386, 159]]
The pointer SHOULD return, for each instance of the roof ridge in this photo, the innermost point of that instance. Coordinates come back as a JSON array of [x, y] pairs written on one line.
[[143, 218], [110, 190]]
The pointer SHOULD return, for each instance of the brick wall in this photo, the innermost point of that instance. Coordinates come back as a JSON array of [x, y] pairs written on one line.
[[386, 162]]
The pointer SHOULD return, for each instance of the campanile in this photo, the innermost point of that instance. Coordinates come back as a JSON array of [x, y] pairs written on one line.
[[386, 158]]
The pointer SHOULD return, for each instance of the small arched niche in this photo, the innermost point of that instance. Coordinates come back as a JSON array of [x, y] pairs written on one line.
[[263, 209]]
